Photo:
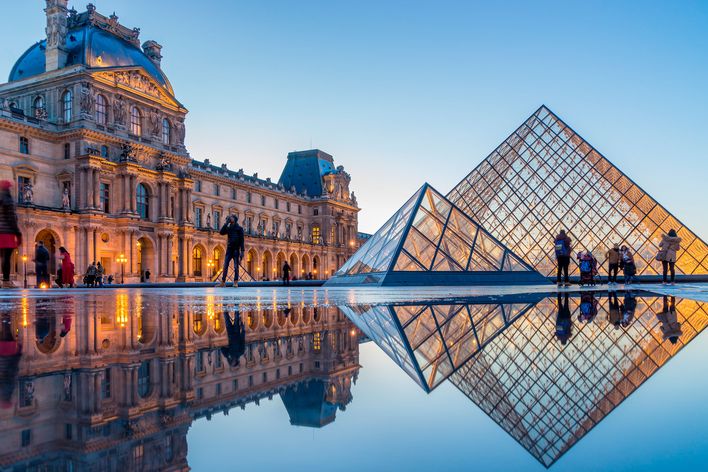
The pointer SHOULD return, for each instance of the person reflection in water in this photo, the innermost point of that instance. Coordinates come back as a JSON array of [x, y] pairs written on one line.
[[10, 353], [564, 322], [629, 306], [588, 307], [614, 310], [236, 333], [670, 326]]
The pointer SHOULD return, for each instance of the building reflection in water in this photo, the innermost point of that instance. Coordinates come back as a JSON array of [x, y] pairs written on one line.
[[546, 369], [113, 382]]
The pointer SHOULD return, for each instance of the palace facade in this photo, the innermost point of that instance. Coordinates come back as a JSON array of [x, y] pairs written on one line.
[[92, 135]]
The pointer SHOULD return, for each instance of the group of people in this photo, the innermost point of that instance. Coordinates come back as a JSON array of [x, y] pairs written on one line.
[[618, 258]]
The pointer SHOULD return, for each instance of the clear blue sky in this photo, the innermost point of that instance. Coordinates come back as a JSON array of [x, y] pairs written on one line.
[[401, 92]]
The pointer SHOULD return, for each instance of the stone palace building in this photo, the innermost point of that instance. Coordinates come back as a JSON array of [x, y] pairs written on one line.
[[92, 136]]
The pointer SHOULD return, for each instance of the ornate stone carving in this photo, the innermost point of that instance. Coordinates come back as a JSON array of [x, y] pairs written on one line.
[[86, 100], [65, 200], [137, 81], [179, 130], [154, 120], [165, 163], [92, 151], [127, 153], [40, 113], [28, 194], [119, 110], [56, 23]]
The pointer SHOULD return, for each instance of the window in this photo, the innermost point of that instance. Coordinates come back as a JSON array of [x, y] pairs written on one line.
[[21, 183], [198, 216], [235, 384], [165, 132], [218, 388], [24, 145], [104, 151], [249, 224], [136, 124], [197, 185], [26, 437], [248, 197], [217, 219], [290, 370], [144, 386], [217, 360], [317, 342], [26, 393], [316, 211], [250, 381], [106, 384], [264, 377], [199, 362], [315, 235], [143, 201], [105, 197], [217, 189], [277, 204], [299, 209], [263, 200], [200, 393], [287, 206], [197, 260], [101, 116], [38, 108], [67, 106], [68, 431], [67, 150], [233, 193]]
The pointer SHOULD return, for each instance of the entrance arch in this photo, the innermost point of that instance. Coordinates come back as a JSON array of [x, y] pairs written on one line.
[[294, 266], [267, 265], [51, 242], [280, 261], [316, 268], [146, 258], [251, 263], [305, 269]]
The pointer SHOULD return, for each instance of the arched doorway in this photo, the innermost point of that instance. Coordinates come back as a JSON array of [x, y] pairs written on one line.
[[294, 266], [218, 260], [198, 260], [251, 265], [267, 265], [316, 268], [280, 262], [51, 242], [305, 269], [146, 259]]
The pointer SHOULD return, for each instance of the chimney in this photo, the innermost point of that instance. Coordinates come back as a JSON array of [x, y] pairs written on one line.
[[57, 27], [152, 50]]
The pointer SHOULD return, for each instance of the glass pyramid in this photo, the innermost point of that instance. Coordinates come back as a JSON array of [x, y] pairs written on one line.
[[243, 275], [429, 241], [506, 357], [546, 177]]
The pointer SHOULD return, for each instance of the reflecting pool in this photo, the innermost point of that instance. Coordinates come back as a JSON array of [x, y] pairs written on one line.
[[161, 379]]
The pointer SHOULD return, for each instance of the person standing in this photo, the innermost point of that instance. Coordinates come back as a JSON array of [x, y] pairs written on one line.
[[613, 263], [100, 270], [147, 276], [628, 267], [41, 264], [670, 326], [236, 333], [10, 235], [67, 269], [286, 273], [90, 278], [234, 247], [563, 249], [670, 245], [564, 323]]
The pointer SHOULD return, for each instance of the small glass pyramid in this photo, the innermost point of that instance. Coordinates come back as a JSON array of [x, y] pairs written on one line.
[[545, 177], [429, 241]]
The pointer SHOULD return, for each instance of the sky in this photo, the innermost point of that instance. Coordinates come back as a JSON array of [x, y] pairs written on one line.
[[404, 92]]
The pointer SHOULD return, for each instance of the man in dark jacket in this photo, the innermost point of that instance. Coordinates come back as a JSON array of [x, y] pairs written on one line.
[[41, 264], [234, 247], [236, 333], [563, 250]]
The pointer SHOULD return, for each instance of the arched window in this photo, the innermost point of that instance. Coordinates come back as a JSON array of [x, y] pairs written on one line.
[[67, 106], [101, 115], [104, 151], [136, 124], [143, 201], [165, 132], [218, 260], [38, 106], [144, 386], [197, 260]]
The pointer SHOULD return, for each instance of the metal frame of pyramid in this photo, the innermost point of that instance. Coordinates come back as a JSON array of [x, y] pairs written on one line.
[[545, 177], [243, 275], [429, 241]]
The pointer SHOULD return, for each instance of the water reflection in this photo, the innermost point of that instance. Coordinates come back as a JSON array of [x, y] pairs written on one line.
[[546, 370], [114, 381]]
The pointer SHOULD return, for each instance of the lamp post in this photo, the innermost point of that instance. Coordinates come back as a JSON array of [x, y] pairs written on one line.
[[122, 260], [24, 264]]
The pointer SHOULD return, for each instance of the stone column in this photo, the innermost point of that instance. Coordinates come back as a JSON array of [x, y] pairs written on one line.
[[133, 180], [180, 256], [81, 191], [96, 188], [169, 256]]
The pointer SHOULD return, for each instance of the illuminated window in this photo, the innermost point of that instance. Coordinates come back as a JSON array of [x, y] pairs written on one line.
[[67, 106], [136, 122], [101, 110], [143, 201], [166, 132], [197, 261], [21, 183], [317, 341], [315, 235]]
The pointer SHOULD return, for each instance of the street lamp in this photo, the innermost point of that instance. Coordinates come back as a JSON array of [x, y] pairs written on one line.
[[24, 263], [122, 260]]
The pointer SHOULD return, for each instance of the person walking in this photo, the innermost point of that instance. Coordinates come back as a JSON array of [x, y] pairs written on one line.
[[234, 247], [669, 246], [563, 250], [613, 263], [41, 264], [67, 269], [286, 273], [10, 235]]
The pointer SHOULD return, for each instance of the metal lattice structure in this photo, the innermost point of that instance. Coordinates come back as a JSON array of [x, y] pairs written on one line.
[[506, 358], [545, 177], [429, 241]]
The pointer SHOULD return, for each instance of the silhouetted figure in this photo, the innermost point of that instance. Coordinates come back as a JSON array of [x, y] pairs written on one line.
[[563, 250], [613, 262], [614, 310], [564, 323], [10, 235], [670, 245], [670, 326], [236, 334], [41, 264], [286, 273], [10, 354], [629, 306], [147, 276], [234, 247]]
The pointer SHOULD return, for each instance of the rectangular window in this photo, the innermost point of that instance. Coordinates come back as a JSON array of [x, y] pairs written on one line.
[[317, 364], [277, 204], [26, 393], [198, 216], [316, 211], [199, 362], [67, 150], [248, 197], [68, 431], [290, 370], [277, 374], [250, 381], [197, 185], [22, 182], [217, 359], [317, 342], [217, 189], [265, 377], [200, 393], [26, 437], [218, 389], [217, 219], [233, 193], [315, 235], [299, 209], [105, 197], [24, 145], [263, 200], [235, 384], [287, 206], [301, 367], [106, 384]]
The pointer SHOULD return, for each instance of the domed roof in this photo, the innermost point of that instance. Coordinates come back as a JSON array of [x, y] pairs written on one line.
[[94, 48]]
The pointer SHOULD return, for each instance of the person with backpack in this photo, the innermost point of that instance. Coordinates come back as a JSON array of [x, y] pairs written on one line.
[[563, 249], [628, 267], [613, 263], [669, 246]]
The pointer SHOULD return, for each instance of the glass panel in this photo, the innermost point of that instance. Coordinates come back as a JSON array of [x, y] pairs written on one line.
[[420, 248], [427, 224], [406, 263]]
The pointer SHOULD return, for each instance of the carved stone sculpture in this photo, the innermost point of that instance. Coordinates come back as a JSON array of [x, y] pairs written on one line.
[[28, 193], [179, 130], [65, 201], [119, 110], [86, 100], [154, 120], [165, 162]]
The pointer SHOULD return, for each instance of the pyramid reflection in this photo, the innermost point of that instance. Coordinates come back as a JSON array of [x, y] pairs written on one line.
[[547, 371]]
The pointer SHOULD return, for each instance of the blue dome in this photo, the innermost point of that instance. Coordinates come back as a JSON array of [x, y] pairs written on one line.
[[94, 48]]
